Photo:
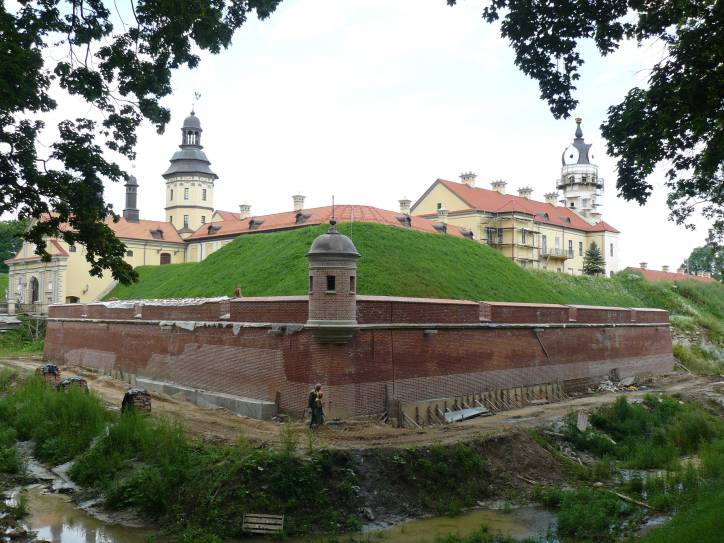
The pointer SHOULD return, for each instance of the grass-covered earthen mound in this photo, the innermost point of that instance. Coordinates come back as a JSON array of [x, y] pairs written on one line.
[[401, 262]]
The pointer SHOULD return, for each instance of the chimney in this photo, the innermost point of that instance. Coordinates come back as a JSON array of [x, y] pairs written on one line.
[[244, 211], [130, 212], [499, 186], [525, 192], [405, 206], [442, 215], [298, 202], [643, 265], [468, 179], [551, 198], [664, 268]]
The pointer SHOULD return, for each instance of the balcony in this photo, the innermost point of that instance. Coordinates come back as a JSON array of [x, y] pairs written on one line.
[[562, 254]]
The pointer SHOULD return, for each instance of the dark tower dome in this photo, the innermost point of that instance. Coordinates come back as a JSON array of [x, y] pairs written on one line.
[[190, 159], [578, 152], [333, 244]]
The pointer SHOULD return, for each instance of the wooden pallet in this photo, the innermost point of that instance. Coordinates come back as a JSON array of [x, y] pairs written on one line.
[[263, 524]]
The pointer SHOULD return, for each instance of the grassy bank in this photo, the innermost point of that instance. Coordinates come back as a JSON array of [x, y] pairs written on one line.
[[3, 285], [26, 340], [677, 452]]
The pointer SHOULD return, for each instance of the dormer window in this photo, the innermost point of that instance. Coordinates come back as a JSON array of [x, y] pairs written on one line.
[[466, 233], [440, 227], [301, 217], [213, 228], [157, 233], [405, 220], [255, 223]]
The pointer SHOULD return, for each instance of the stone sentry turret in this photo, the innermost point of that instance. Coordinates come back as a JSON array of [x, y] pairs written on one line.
[[333, 286], [130, 212]]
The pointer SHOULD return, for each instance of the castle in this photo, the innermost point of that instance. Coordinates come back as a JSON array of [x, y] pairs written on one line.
[[552, 235]]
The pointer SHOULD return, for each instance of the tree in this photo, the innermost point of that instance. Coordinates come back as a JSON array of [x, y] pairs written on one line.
[[593, 262], [11, 239], [120, 63], [678, 120], [707, 258]]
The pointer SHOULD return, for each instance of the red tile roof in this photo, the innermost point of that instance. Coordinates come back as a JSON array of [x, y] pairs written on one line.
[[656, 275], [54, 248], [544, 213], [318, 215], [227, 215], [133, 230]]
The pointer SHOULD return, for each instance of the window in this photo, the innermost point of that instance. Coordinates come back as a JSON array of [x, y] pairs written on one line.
[[522, 238], [129, 253], [500, 235], [544, 243], [171, 195], [203, 219], [558, 270], [71, 248], [311, 283], [523, 263], [580, 248], [611, 249], [170, 219], [203, 194], [186, 221], [165, 258], [573, 204], [439, 205], [186, 194], [558, 243], [570, 247], [352, 284], [331, 283]]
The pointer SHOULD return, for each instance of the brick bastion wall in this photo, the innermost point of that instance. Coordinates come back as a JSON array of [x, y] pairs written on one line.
[[409, 349]]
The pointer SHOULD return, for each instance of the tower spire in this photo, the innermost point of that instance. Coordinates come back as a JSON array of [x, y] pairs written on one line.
[[579, 132]]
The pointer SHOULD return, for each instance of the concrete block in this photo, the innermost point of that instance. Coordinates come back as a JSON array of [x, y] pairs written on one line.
[[248, 407]]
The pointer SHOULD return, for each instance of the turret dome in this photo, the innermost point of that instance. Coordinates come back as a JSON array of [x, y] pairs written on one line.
[[333, 244]]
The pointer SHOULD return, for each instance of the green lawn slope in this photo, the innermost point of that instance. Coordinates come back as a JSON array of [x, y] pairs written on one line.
[[395, 262], [3, 285]]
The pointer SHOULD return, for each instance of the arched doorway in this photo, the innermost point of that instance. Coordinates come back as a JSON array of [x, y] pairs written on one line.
[[165, 258], [34, 290]]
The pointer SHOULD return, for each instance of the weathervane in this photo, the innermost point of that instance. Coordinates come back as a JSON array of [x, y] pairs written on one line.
[[196, 97]]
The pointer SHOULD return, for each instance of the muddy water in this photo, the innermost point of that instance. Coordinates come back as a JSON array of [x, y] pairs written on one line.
[[520, 523], [56, 519]]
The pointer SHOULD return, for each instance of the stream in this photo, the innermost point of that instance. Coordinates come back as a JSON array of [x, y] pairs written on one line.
[[54, 517]]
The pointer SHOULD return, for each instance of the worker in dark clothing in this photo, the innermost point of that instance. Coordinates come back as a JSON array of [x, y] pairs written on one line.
[[314, 403]]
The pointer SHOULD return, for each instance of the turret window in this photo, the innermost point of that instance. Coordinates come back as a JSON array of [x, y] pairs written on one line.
[[352, 284], [186, 194], [203, 194], [331, 283], [171, 195], [186, 221], [203, 219], [311, 283]]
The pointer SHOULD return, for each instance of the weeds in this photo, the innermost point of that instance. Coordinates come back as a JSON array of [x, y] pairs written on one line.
[[61, 424]]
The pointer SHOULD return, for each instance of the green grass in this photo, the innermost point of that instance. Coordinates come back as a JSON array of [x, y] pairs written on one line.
[[395, 262], [61, 424], [3, 285], [28, 339], [649, 435]]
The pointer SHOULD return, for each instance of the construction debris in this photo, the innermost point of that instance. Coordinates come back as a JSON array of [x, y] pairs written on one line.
[[465, 414], [73, 382], [137, 400], [50, 373]]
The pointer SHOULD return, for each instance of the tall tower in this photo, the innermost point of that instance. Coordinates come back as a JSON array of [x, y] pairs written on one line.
[[189, 181], [581, 186], [333, 286], [130, 212]]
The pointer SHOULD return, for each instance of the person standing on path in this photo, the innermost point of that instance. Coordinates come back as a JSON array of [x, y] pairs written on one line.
[[314, 403]]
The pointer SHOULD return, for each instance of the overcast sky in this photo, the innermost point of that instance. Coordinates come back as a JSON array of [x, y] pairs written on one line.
[[372, 100]]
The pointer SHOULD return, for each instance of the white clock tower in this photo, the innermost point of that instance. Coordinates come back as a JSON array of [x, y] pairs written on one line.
[[580, 184]]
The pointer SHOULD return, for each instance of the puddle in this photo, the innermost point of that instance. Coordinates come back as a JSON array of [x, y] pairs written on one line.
[[520, 523], [56, 519]]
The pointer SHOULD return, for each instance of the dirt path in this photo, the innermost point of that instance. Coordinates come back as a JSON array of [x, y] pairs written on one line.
[[216, 424]]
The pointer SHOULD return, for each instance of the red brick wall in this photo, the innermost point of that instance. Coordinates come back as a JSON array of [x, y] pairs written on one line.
[[523, 313], [372, 310], [359, 375]]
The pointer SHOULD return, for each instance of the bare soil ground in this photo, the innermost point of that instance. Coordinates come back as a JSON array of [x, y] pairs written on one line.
[[220, 425]]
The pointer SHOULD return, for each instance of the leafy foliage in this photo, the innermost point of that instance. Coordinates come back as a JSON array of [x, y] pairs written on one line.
[[11, 239], [676, 120], [708, 258], [55, 48], [593, 262]]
